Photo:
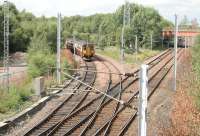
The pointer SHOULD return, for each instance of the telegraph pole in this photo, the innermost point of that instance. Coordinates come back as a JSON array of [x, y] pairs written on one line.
[[6, 43], [151, 41], [58, 65], [143, 94], [162, 42], [185, 43], [126, 21], [122, 37], [175, 50], [74, 50], [74, 45], [136, 47]]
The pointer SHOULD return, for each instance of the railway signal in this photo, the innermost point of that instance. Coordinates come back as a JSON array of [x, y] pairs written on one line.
[[175, 50]]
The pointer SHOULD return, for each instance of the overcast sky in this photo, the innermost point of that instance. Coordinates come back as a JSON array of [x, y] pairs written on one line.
[[167, 8]]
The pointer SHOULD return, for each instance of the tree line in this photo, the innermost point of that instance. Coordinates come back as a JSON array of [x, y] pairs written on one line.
[[102, 29]]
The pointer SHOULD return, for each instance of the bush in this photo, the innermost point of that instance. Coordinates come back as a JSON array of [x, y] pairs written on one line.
[[40, 56], [196, 56], [14, 98], [39, 64], [196, 68]]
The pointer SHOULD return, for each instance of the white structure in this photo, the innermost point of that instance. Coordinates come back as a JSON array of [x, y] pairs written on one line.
[[58, 65], [39, 86], [143, 94], [175, 51]]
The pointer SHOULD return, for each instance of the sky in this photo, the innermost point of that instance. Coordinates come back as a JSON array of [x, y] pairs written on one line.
[[166, 8]]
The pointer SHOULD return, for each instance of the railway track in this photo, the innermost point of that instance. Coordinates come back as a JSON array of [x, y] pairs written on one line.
[[99, 115], [43, 127], [102, 119], [68, 105], [70, 123], [89, 109], [120, 122]]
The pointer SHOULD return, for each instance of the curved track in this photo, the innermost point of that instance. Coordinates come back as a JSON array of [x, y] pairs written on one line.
[[68, 105], [94, 119], [72, 102], [86, 114], [120, 122]]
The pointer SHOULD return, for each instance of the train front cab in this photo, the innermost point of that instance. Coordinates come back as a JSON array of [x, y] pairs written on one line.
[[88, 52]]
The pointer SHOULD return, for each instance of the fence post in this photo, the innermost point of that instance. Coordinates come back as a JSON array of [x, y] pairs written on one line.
[[175, 51], [39, 86], [58, 65], [143, 100]]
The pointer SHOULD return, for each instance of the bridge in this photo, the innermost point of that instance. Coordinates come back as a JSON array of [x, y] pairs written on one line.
[[185, 35]]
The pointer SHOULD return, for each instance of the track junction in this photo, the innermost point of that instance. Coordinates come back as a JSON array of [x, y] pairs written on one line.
[[84, 111]]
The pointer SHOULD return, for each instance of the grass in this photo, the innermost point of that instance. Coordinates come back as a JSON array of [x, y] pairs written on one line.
[[113, 52], [196, 69], [15, 100], [186, 104]]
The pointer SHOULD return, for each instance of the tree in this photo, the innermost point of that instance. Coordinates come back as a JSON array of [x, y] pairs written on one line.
[[40, 57], [18, 38], [24, 26]]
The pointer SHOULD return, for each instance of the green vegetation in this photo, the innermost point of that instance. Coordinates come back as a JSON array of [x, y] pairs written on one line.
[[196, 56], [113, 52], [196, 68], [37, 37], [40, 57], [16, 99], [104, 29]]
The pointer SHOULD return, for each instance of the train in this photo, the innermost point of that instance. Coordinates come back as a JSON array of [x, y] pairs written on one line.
[[82, 48]]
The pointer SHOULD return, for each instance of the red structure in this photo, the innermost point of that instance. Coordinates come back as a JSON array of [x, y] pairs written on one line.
[[186, 35]]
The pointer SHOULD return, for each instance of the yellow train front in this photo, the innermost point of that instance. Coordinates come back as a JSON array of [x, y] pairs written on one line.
[[87, 51], [82, 48]]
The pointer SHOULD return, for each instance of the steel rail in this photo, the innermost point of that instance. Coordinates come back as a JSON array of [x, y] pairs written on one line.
[[98, 107], [108, 88], [96, 99], [115, 85], [109, 123], [166, 71], [84, 95], [78, 85], [82, 109]]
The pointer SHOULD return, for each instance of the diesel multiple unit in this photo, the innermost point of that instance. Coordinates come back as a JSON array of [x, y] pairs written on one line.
[[81, 48]]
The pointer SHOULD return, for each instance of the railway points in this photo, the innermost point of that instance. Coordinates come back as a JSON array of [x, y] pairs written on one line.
[[87, 114], [91, 81]]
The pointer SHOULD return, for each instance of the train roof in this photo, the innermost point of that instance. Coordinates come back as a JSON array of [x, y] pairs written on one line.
[[79, 42]]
